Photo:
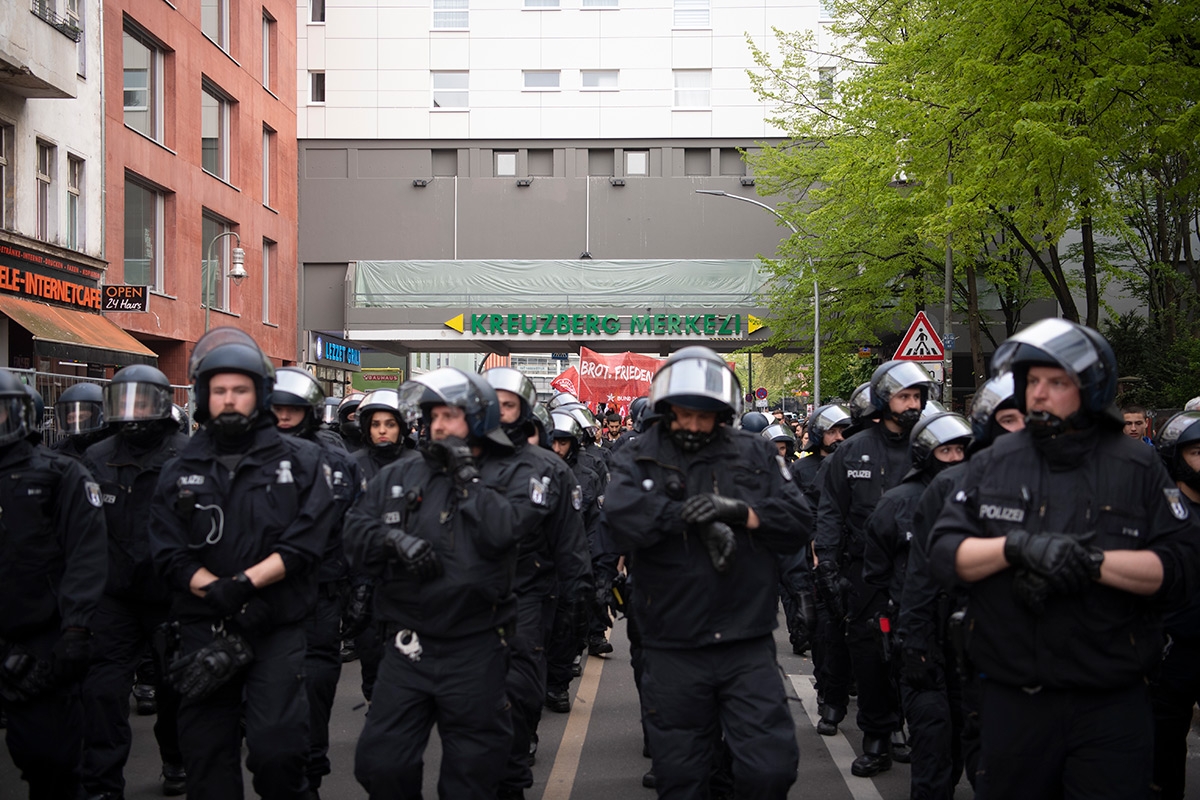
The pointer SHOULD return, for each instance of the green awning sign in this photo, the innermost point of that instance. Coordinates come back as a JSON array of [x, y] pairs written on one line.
[[604, 324]]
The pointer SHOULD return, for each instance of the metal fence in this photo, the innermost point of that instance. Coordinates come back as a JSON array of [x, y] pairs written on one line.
[[51, 386]]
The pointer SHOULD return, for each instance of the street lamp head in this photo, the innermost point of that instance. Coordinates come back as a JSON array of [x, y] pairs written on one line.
[[238, 271]]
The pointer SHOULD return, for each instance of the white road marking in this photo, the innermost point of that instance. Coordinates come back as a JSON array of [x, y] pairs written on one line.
[[839, 748], [566, 761]]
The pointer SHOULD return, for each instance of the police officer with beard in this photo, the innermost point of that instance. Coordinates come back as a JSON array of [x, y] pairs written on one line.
[[704, 510], [552, 561], [52, 574], [294, 401], [860, 471], [439, 534], [137, 405], [238, 525], [1071, 538]]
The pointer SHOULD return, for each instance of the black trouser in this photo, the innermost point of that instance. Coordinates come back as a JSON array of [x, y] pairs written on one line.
[[44, 736], [563, 648], [878, 700], [1069, 744], [369, 646], [123, 631], [526, 683], [270, 696], [1174, 694], [935, 724], [459, 685], [636, 656], [795, 579], [694, 695], [323, 668], [831, 660]]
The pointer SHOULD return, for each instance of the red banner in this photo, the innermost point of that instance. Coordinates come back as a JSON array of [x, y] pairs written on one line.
[[613, 380]]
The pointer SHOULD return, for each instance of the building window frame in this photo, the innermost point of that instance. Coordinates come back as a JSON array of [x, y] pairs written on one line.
[[445, 97], [269, 249], [504, 163], [215, 113], [153, 245], [600, 80], [214, 22], [451, 15], [268, 50], [46, 193], [316, 12], [693, 88], [316, 87], [217, 274], [148, 98], [599, 4], [75, 207], [8, 199], [637, 163], [541, 5], [268, 164], [76, 20], [692, 14], [541, 80]]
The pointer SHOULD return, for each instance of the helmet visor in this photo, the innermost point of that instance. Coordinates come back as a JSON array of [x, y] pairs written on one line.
[[900, 376], [940, 430], [698, 384], [1182, 428], [135, 402], [779, 433], [78, 417], [13, 424], [989, 397], [300, 385], [1062, 342]]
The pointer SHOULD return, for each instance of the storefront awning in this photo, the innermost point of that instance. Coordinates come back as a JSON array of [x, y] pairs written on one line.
[[75, 335]]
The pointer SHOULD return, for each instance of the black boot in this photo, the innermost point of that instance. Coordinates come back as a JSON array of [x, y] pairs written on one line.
[[558, 699], [900, 750], [827, 725], [174, 780], [875, 759]]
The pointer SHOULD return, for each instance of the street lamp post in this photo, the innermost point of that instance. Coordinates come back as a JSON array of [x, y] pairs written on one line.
[[816, 292], [236, 272]]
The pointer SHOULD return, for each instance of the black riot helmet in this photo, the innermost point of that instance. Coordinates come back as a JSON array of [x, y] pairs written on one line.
[[295, 387], [384, 401], [779, 432], [584, 416], [697, 378], [449, 386], [225, 350], [80, 409], [540, 418], [564, 427], [932, 432], [507, 379], [891, 377], [995, 395], [1181, 430], [823, 420], [349, 428], [560, 399], [329, 411], [639, 412], [861, 404], [1083, 353], [755, 421], [138, 393], [16, 410]]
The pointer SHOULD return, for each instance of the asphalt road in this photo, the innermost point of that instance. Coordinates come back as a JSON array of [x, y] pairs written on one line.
[[593, 753]]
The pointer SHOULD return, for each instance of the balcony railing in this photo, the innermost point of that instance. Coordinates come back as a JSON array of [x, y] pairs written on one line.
[[43, 10]]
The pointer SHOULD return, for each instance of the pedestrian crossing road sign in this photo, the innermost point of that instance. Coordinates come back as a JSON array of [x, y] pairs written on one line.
[[921, 343]]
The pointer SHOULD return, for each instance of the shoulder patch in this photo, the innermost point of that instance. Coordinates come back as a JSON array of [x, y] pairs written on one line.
[[577, 498], [783, 468], [537, 492], [1175, 501], [329, 474], [92, 490]]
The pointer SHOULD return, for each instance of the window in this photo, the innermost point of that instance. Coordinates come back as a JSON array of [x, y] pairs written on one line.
[[268, 147], [599, 79], [268, 260], [317, 91], [45, 191], [214, 132], [825, 77], [71, 12], [599, 3], [268, 47], [541, 80], [450, 13], [213, 280], [144, 209], [143, 63], [692, 88], [541, 162], [637, 162], [506, 164], [316, 10], [7, 190], [731, 162], [449, 89], [541, 3], [74, 203], [691, 14], [214, 22]]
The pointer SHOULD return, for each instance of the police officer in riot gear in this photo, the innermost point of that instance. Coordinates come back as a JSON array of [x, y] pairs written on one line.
[[783, 438], [1070, 537], [755, 421], [238, 526], [704, 510], [826, 428], [859, 472], [79, 419], [51, 578], [439, 534], [1175, 691], [553, 561], [295, 401], [137, 405], [347, 422]]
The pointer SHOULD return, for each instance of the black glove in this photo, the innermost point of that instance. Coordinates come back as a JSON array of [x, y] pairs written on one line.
[[829, 585], [1057, 557], [199, 674], [919, 670], [455, 457], [718, 538], [227, 595], [254, 617], [416, 554], [72, 655], [357, 615], [600, 600], [24, 676], [704, 508], [1031, 590]]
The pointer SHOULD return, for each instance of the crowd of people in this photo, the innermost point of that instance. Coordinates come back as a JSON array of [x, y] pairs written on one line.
[[1012, 595]]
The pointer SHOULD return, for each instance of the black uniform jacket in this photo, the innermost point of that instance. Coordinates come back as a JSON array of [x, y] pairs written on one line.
[[681, 600], [925, 603], [53, 558], [472, 530], [1117, 497], [889, 532], [278, 499], [555, 552], [857, 474], [127, 476]]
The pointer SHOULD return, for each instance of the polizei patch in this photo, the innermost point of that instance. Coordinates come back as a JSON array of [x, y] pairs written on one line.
[[1001, 513], [858, 473], [1179, 508]]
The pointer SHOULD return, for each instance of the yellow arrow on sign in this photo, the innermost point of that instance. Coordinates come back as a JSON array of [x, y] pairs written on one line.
[[456, 323], [753, 323]]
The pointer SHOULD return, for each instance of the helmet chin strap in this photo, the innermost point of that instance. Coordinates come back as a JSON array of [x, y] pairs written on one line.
[[230, 428], [907, 419]]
